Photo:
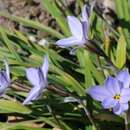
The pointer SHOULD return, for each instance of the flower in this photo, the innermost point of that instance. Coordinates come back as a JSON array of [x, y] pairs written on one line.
[[113, 94], [124, 77], [4, 79], [38, 78], [79, 30]]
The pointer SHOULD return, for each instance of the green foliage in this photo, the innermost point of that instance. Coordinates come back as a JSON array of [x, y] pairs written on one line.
[[13, 107], [121, 52], [72, 73]]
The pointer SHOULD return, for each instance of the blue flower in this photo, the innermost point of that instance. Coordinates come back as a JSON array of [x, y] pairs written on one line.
[[4, 79], [124, 77], [79, 30], [38, 78], [113, 94]]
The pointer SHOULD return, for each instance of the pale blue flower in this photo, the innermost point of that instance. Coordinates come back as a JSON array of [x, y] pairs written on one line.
[[79, 30], [38, 78], [124, 77], [114, 94], [4, 79]]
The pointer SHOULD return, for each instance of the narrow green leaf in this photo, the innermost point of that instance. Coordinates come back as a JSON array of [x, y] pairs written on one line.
[[68, 80], [57, 14], [90, 128], [89, 69], [13, 107], [33, 24], [9, 44], [97, 74], [85, 68], [121, 52]]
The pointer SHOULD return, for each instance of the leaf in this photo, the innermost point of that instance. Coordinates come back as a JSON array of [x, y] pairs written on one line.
[[51, 7], [90, 128], [67, 80], [13, 107], [32, 24], [121, 52], [89, 69], [85, 68], [9, 44], [98, 75]]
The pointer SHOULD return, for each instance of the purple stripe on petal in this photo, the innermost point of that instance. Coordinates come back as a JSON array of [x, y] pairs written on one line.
[[98, 93], [75, 27], [85, 30]]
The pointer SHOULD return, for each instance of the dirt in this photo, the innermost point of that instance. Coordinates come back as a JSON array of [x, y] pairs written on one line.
[[31, 9]]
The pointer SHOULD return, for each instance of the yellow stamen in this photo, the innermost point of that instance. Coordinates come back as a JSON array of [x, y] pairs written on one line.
[[117, 97]]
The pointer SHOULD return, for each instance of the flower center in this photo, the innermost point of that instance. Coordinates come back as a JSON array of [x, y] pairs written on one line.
[[117, 97]]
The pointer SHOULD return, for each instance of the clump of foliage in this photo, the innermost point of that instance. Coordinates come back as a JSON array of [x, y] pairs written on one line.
[[67, 100]]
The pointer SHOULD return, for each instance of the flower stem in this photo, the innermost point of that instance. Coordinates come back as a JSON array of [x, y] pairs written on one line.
[[64, 93], [126, 121], [87, 114]]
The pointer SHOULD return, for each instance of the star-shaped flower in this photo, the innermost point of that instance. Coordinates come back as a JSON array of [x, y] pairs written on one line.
[[79, 30], [113, 94], [38, 78]]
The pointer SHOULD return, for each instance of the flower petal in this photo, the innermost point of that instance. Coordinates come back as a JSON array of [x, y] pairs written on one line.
[[85, 14], [4, 82], [68, 42], [125, 95], [45, 67], [112, 85], [75, 27], [98, 93], [85, 30], [2, 90], [33, 95], [85, 21], [33, 76], [109, 103], [120, 108], [124, 77]]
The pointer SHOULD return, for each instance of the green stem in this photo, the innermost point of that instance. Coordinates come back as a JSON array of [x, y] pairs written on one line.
[[126, 121], [87, 114]]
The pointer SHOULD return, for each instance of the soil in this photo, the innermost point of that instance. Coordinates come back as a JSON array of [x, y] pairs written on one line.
[[31, 9]]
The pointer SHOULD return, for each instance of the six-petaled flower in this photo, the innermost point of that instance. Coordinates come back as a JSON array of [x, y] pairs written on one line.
[[114, 93], [79, 30], [38, 78]]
